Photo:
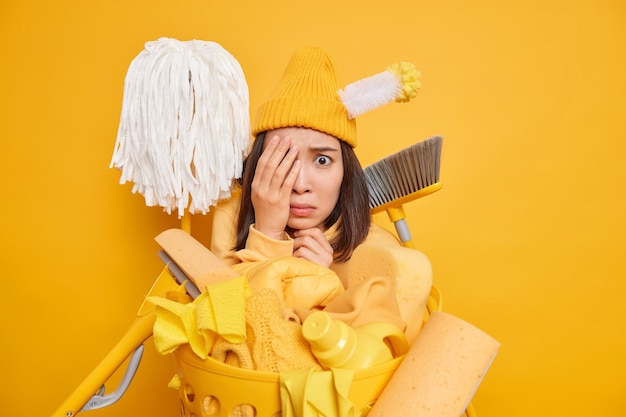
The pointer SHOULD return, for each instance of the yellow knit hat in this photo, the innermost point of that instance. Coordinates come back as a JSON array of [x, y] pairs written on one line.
[[308, 96]]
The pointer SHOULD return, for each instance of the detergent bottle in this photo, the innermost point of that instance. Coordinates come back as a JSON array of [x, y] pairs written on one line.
[[337, 345]]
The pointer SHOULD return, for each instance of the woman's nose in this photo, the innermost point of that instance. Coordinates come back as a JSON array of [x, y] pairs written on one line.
[[302, 184]]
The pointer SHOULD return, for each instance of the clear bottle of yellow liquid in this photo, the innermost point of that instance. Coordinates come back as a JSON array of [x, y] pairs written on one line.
[[337, 345]]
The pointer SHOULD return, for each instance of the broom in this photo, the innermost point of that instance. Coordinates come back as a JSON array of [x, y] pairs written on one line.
[[408, 174], [403, 177]]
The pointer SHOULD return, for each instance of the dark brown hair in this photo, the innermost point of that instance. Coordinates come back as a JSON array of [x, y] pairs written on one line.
[[351, 211]]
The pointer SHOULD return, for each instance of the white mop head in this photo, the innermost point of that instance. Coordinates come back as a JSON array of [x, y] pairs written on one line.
[[185, 125]]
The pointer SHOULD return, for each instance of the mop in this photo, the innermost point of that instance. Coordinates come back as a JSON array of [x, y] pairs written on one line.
[[185, 125], [183, 134]]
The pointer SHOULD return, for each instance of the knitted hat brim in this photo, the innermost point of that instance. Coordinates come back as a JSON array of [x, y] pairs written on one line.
[[307, 112]]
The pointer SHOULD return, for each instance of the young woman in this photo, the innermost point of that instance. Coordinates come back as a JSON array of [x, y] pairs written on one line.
[[303, 191], [302, 183], [301, 223]]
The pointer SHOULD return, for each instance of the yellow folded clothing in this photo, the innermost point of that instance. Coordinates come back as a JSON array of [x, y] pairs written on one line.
[[219, 310], [369, 301], [276, 343], [233, 354], [408, 269], [315, 393], [298, 282]]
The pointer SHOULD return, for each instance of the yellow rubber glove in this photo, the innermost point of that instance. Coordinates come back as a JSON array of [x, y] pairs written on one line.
[[309, 392]]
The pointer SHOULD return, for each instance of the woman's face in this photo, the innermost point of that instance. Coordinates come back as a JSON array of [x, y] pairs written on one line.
[[316, 190]]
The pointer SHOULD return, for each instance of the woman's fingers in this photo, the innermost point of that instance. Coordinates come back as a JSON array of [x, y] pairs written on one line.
[[311, 244], [275, 168], [276, 172]]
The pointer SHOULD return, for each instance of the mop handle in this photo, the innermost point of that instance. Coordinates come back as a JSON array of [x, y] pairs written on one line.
[[139, 331]]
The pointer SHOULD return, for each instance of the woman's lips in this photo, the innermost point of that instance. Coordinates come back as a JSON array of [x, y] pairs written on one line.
[[301, 210]]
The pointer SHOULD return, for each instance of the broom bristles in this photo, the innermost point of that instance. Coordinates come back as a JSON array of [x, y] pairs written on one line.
[[184, 127], [404, 173]]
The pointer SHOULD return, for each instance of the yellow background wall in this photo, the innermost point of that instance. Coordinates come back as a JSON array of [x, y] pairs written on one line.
[[526, 237]]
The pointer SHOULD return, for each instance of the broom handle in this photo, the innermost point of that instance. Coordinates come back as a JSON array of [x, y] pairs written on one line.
[[398, 217]]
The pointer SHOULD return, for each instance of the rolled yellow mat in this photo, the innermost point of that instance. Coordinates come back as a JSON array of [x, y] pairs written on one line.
[[441, 372]]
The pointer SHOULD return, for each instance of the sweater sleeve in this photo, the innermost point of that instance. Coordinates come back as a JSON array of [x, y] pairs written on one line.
[[260, 247]]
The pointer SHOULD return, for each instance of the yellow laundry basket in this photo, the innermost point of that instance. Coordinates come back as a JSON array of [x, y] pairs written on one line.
[[213, 389]]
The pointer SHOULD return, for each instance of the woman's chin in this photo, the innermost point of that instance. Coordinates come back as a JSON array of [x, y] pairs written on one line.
[[301, 224]]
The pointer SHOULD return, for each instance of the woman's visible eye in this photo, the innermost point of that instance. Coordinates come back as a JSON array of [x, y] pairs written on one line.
[[322, 160]]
